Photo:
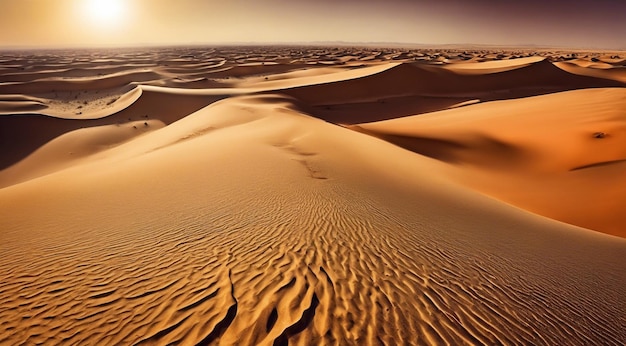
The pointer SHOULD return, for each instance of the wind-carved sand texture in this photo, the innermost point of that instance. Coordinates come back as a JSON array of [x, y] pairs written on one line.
[[295, 195]]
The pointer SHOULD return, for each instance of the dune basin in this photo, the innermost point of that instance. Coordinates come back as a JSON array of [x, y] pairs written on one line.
[[312, 196]]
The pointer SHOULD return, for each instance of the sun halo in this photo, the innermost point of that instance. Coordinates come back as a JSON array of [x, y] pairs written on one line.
[[104, 12]]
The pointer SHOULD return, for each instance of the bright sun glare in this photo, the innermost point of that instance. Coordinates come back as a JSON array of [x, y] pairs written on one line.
[[105, 11]]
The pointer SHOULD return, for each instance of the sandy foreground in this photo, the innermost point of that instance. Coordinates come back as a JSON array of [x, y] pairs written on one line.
[[300, 195]]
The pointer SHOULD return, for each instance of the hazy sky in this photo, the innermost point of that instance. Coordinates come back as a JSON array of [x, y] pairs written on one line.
[[584, 24]]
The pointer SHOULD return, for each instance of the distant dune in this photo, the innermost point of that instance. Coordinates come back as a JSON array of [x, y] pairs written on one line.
[[292, 195]]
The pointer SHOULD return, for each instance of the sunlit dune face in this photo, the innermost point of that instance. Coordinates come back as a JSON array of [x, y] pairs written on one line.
[[103, 12]]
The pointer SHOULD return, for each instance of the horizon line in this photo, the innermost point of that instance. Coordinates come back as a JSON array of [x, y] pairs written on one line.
[[338, 43]]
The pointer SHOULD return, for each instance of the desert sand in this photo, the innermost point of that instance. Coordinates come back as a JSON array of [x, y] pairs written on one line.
[[312, 195]]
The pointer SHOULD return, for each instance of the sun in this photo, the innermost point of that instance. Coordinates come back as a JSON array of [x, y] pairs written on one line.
[[105, 11]]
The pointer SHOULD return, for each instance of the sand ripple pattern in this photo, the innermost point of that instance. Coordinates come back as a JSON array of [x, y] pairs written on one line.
[[328, 272]]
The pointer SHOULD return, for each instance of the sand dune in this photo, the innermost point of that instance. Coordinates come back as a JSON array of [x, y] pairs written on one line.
[[243, 215], [411, 87], [533, 152], [606, 71], [22, 135]]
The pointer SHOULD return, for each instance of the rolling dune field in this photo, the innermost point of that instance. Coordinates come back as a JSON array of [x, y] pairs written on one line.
[[312, 195]]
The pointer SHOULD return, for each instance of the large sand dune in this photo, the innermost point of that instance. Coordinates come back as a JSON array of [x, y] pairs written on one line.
[[552, 154], [240, 208]]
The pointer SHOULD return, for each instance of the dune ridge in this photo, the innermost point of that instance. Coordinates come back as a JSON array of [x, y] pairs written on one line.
[[251, 214]]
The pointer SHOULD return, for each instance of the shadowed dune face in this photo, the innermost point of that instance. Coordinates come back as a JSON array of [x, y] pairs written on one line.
[[231, 210], [23, 134], [419, 88], [482, 148]]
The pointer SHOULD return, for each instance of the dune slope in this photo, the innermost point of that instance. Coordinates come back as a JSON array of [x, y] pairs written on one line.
[[551, 154], [23, 134]]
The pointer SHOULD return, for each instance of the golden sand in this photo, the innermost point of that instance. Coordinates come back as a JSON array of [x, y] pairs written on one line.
[[312, 196]]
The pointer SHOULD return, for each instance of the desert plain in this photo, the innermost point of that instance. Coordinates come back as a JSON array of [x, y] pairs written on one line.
[[312, 195]]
